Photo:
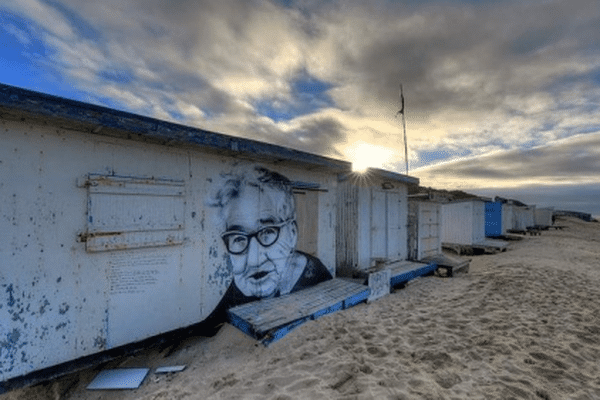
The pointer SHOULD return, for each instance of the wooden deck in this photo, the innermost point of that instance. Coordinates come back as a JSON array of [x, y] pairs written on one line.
[[270, 319], [485, 246], [449, 263]]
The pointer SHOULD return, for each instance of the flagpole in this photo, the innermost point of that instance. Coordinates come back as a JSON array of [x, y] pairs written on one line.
[[404, 128]]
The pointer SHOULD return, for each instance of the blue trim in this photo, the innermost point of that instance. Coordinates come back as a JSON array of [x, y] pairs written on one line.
[[410, 275], [279, 333], [357, 298], [331, 309]]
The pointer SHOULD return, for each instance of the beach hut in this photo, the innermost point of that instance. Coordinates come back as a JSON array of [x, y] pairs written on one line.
[[116, 227], [523, 218], [372, 211], [498, 218], [425, 235], [543, 217], [424, 228], [463, 227], [372, 214]]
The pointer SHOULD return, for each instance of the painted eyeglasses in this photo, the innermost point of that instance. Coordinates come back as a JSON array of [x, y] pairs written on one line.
[[238, 242]]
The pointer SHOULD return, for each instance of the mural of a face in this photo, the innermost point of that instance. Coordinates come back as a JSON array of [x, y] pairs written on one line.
[[260, 238]]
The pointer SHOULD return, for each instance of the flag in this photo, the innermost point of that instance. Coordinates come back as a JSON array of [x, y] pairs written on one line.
[[401, 102]]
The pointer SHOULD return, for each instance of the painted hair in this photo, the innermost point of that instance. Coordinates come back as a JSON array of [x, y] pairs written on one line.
[[233, 184]]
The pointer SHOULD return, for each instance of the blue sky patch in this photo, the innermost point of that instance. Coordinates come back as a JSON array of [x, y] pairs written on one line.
[[308, 94], [438, 155], [121, 76]]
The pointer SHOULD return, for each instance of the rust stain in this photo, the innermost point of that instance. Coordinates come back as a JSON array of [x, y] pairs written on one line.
[[85, 236]]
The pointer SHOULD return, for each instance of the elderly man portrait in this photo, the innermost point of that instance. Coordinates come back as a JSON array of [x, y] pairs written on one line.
[[259, 233]]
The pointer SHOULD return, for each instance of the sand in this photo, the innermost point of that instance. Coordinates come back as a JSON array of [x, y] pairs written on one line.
[[523, 324]]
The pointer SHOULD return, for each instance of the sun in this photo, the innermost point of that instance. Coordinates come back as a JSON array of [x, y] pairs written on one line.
[[365, 155]]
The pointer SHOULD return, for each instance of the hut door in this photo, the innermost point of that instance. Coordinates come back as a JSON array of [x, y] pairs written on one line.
[[379, 221], [429, 230], [307, 217]]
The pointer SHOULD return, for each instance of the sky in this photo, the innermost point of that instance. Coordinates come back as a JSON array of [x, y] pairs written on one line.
[[501, 97]]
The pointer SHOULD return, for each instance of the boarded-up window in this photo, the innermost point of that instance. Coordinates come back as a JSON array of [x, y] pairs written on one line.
[[130, 212]]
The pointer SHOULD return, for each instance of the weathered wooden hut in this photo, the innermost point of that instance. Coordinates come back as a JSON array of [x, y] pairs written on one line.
[[116, 227], [425, 235], [372, 213], [463, 227], [424, 228]]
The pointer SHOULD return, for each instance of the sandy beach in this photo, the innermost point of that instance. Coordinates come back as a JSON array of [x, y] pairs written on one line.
[[523, 324]]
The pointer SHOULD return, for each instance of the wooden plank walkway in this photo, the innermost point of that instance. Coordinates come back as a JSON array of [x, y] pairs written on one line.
[[270, 319]]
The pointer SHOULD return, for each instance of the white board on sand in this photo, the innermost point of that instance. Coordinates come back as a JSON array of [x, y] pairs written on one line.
[[121, 378]]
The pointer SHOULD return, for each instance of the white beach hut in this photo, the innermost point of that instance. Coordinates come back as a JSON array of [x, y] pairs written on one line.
[[111, 231], [372, 214], [463, 227], [543, 217]]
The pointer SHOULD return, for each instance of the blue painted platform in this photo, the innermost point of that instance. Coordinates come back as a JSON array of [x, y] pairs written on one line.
[[270, 319], [404, 271]]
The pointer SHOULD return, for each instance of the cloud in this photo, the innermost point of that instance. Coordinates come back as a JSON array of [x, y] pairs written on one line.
[[567, 161], [478, 77]]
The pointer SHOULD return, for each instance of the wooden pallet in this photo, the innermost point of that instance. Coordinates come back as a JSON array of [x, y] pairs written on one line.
[[271, 319], [485, 246], [450, 264]]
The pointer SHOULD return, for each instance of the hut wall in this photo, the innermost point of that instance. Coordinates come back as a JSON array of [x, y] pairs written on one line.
[[463, 222], [478, 223], [523, 217], [107, 241], [508, 218], [457, 223], [543, 216]]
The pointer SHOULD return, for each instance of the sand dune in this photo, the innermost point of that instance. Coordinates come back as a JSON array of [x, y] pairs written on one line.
[[524, 324]]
